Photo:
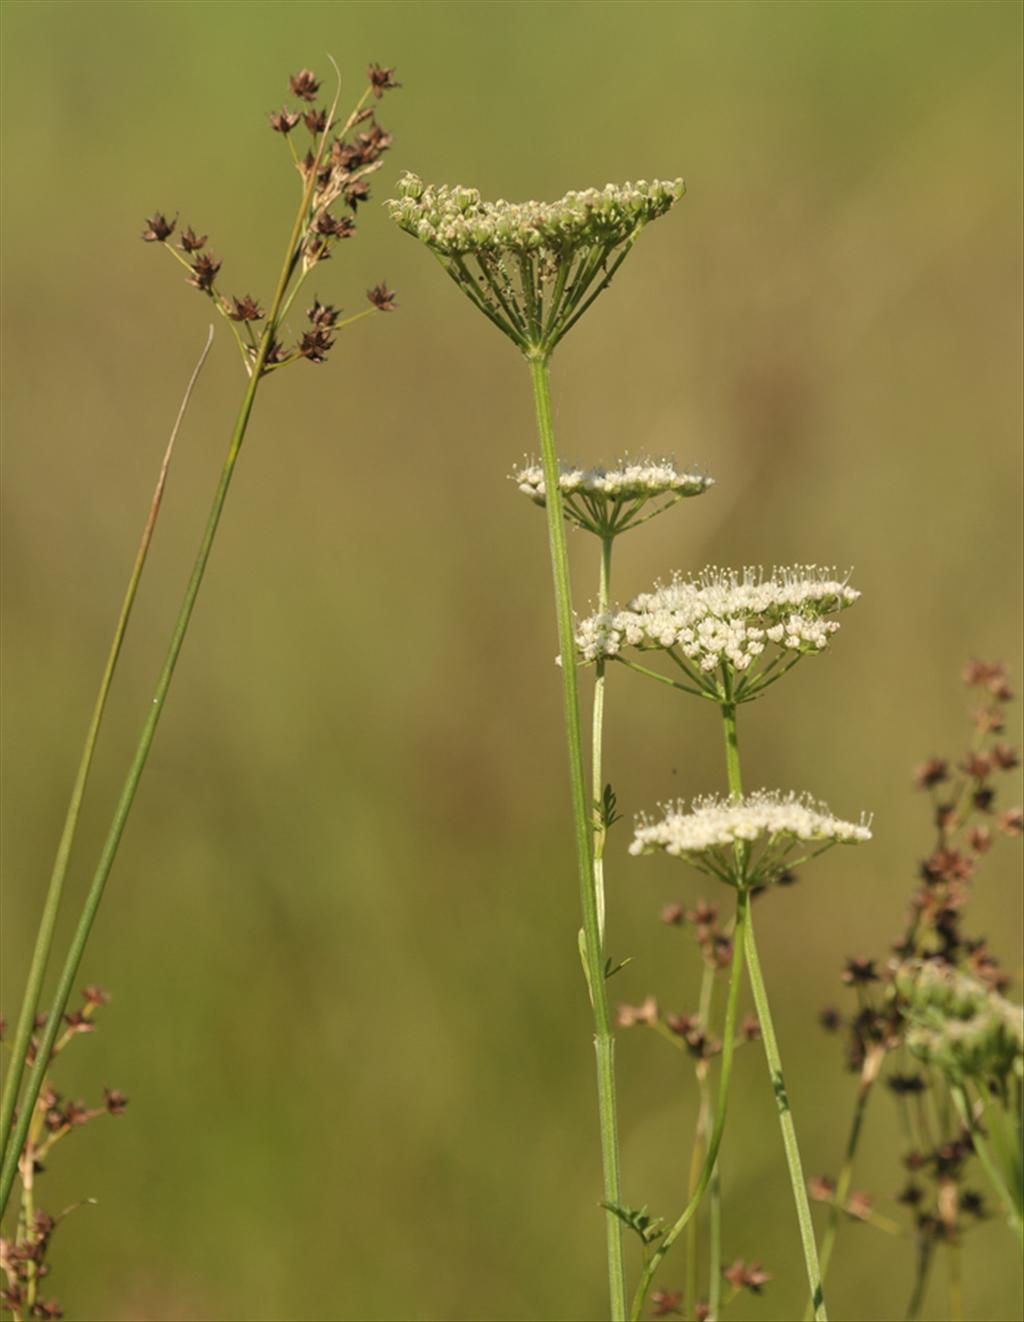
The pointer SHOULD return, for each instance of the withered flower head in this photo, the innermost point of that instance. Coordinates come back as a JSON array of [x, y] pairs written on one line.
[[115, 1101], [355, 192], [821, 1188], [750, 1276], [334, 226], [830, 1019], [283, 121], [246, 309], [931, 772], [381, 80], [750, 1028], [316, 121], [304, 84], [858, 972], [666, 1303], [204, 272], [1005, 757], [190, 240], [673, 914], [323, 314], [93, 995], [315, 344], [382, 298], [859, 1204], [158, 228]]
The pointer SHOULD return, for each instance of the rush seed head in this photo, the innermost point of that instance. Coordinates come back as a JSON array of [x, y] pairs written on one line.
[[769, 824], [607, 501], [532, 268]]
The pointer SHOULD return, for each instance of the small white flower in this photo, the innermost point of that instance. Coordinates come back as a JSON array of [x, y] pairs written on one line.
[[706, 832], [726, 617], [607, 501]]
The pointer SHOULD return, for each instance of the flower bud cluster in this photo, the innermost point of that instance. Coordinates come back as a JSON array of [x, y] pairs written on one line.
[[959, 1023], [607, 501], [725, 617], [455, 221]]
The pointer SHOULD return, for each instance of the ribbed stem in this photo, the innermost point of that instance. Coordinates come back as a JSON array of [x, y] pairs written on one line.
[[593, 949], [796, 1174], [721, 1106], [597, 738], [771, 1046], [51, 906]]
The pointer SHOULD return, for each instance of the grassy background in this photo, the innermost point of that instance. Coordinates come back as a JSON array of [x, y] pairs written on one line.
[[341, 931]]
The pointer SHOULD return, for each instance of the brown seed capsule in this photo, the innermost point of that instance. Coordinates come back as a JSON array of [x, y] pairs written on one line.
[[304, 84], [158, 228], [382, 298], [381, 80], [283, 121]]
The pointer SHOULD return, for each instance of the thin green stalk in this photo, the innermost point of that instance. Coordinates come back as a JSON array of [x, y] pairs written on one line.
[[51, 906], [721, 1106], [715, 1253], [113, 840], [604, 1041], [924, 1260], [597, 740], [771, 1046], [963, 1105], [869, 1073], [796, 1175], [696, 1161]]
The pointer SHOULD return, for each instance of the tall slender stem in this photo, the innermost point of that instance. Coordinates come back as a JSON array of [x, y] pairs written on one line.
[[54, 894], [597, 739], [721, 1106], [796, 1174], [80, 937], [604, 1041], [868, 1075]]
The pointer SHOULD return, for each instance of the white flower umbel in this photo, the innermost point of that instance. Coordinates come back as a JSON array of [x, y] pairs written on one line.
[[768, 824], [532, 267], [754, 626], [609, 501]]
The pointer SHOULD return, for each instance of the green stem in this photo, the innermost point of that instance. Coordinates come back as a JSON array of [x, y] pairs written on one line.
[[80, 937], [869, 1073], [604, 1041], [696, 1161], [597, 740], [924, 1260], [796, 1175], [771, 1046], [51, 906], [715, 1256], [721, 1106], [963, 1105]]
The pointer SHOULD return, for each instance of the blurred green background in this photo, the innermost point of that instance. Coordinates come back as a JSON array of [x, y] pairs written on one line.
[[340, 935]]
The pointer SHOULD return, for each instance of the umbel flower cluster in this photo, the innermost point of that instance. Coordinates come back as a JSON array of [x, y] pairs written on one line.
[[960, 1024], [333, 172], [533, 268], [747, 621], [609, 501], [706, 833]]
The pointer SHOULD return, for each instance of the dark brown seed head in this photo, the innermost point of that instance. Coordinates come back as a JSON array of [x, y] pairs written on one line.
[[381, 80], [158, 228], [204, 272], [246, 309], [115, 1101], [323, 314], [190, 240], [304, 84], [283, 121], [931, 772], [382, 298], [315, 120], [857, 972], [315, 344]]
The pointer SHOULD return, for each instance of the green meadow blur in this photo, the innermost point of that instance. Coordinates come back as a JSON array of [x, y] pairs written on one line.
[[340, 936]]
